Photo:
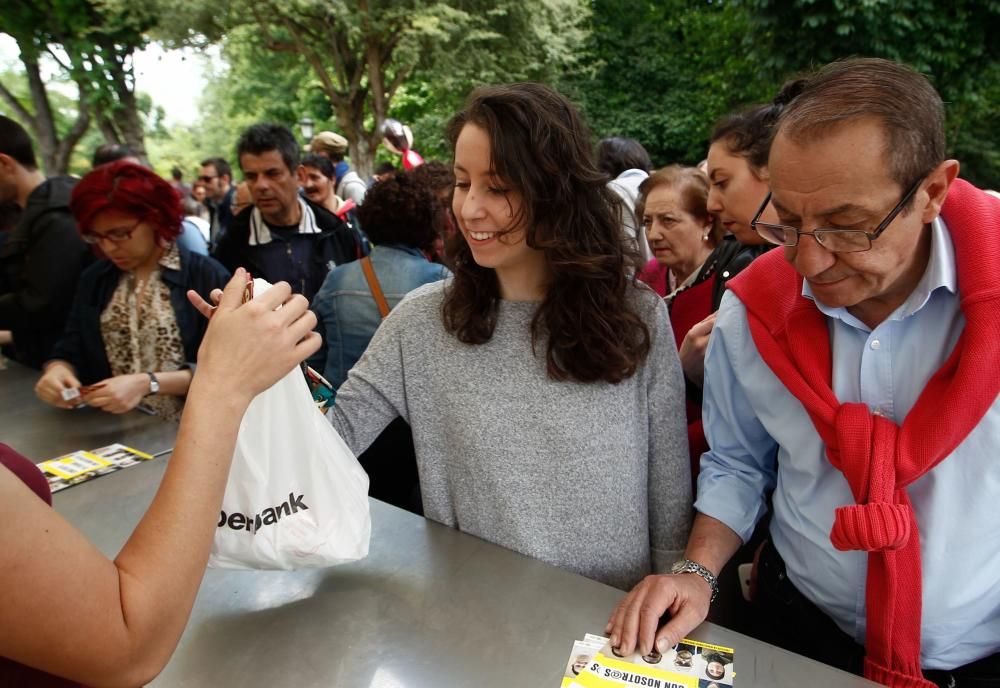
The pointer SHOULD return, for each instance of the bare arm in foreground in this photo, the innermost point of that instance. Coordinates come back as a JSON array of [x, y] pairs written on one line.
[[58, 593]]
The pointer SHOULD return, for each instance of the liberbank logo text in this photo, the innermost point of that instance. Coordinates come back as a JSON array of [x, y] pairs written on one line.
[[267, 517]]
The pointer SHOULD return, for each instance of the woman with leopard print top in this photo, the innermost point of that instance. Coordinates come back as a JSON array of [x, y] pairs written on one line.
[[132, 336]]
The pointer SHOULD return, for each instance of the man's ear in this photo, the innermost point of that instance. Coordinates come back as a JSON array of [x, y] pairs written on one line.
[[8, 164], [936, 187]]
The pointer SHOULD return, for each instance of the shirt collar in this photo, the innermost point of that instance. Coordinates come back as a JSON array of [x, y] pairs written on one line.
[[260, 232], [940, 273]]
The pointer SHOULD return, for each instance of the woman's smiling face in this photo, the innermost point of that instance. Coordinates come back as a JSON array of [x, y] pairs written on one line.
[[489, 213]]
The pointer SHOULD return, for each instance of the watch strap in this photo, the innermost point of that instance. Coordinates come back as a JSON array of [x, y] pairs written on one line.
[[689, 566]]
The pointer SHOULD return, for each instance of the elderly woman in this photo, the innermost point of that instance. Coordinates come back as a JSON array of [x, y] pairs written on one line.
[[132, 336], [679, 229], [685, 239]]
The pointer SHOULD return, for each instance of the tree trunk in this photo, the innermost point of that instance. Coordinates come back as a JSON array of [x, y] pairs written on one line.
[[68, 143], [361, 144], [53, 153], [107, 127], [130, 125], [126, 113], [42, 124]]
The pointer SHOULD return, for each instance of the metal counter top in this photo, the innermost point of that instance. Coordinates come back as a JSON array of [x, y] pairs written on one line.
[[40, 432], [429, 607]]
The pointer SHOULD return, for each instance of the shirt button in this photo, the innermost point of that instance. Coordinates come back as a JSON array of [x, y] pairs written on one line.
[[726, 273], [876, 344]]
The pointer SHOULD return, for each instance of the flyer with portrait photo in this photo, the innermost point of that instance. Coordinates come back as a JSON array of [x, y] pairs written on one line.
[[691, 664], [81, 466], [582, 654]]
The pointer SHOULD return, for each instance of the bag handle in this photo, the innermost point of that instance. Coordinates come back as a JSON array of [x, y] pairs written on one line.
[[374, 286]]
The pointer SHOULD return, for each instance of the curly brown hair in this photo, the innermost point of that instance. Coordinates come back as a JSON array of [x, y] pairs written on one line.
[[540, 147], [401, 209]]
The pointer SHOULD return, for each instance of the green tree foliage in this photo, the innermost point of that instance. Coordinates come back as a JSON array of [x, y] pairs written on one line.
[[257, 84], [362, 55], [92, 41], [663, 72], [35, 34], [538, 40], [105, 46], [953, 42]]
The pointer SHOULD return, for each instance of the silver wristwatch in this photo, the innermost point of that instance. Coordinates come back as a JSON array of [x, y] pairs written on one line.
[[154, 384], [688, 566]]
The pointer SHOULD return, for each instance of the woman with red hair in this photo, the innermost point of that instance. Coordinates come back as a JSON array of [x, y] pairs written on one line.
[[132, 336]]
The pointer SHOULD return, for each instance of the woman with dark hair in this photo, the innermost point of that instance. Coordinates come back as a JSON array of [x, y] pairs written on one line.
[[616, 155], [132, 336], [441, 179], [737, 172], [541, 382]]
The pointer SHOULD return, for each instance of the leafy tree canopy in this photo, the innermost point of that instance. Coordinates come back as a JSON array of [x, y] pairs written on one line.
[[954, 43], [363, 55], [663, 72]]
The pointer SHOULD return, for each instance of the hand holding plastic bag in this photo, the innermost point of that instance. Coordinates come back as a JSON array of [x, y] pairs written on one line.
[[296, 496]]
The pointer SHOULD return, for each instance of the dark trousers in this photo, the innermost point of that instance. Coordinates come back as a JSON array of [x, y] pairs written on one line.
[[784, 617]]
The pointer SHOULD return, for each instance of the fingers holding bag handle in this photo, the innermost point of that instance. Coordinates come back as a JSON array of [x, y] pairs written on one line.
[[248, 347]]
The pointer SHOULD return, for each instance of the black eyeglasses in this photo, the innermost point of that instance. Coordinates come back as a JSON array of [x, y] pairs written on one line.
[[835, 240], [115, 236]]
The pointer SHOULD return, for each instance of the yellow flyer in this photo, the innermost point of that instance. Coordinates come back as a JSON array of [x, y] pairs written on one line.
[[80, 466], [691, 664], [74, 465]]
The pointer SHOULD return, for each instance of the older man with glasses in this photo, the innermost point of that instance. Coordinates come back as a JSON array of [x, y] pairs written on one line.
[[854, 375]]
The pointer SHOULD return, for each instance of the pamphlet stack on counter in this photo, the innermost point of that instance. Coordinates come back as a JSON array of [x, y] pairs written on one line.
[[690, 664], [80, 466]]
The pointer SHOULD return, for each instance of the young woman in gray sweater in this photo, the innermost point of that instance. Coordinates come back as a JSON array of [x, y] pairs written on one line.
[[541, 382]]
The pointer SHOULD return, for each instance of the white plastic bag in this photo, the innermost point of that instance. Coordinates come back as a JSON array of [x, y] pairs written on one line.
[[296, 497]]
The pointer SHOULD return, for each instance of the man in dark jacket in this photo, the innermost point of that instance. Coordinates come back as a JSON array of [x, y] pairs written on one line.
[[282, 236], [43, 255], [217, 176]]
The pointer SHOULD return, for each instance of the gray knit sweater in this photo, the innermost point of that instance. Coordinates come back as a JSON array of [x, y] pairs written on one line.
[[593, 478]]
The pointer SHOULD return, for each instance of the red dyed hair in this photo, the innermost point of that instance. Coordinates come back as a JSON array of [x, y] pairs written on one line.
[[131, 189]]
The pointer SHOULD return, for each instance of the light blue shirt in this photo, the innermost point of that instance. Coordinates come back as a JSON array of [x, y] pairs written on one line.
[[762, 438]]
